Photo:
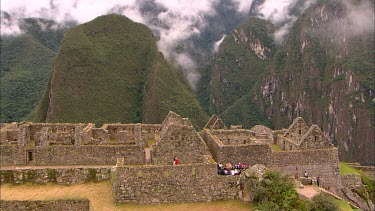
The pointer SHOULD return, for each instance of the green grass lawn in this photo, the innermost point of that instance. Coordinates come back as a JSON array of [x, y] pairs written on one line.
[[343, 205], [275, 147], [346, 169]]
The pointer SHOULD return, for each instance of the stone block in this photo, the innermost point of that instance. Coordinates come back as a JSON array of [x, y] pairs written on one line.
[[305, 181]]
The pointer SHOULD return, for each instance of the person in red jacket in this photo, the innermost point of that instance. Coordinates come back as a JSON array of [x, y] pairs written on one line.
[[175, 161]]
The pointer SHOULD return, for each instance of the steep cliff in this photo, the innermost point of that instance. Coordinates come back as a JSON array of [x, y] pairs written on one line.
[[242, 58], [323, 72]]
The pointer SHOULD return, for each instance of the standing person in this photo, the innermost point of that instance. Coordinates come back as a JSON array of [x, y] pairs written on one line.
[[318, 181], [175, 161]]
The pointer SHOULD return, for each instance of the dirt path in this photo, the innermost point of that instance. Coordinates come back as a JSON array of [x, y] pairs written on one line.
[[308, 191], [100, 196]]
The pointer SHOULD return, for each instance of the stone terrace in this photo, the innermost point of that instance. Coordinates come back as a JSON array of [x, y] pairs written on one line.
[[132, 146]]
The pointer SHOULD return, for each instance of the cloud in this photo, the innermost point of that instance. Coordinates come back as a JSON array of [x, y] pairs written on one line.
[[243, 6], [283, 13], [9, 25], [172, 21], [176, 23], [281, 33], [359, 18], [217, 44]]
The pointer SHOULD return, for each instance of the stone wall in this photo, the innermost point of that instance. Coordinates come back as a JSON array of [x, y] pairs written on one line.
[[263, 132], [171, 184], [318, 162], [64, 176], [12, 155], [173, 119], [247, 154], [71, 155], [88, 155], [78, 204], [315, 139], [233, 137], [323, 163], [297, 129], [349, 180], [181, 141], [213, 144], [244, 153]]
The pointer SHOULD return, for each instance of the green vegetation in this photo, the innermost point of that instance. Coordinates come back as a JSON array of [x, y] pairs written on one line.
[[315, 71], [324, 202], [26, 65], [150, 142], [343, 205], [244, 111], [368, 182], [275, 147], [236, 67], [25, 68], [109, 70], [276, 192], [346, 169]]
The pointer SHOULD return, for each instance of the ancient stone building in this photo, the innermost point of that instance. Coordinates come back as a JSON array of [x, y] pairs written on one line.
[[177, 137], [300, 136], [74, 144], [303, 148]]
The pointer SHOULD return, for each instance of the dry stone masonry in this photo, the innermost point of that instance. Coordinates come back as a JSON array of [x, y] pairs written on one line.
[[81, 205], [143, 156]]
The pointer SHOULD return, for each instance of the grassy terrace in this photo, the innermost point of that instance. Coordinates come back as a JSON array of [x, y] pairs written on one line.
[[100, 196], [346, 169], [275, 147], [369, 183]]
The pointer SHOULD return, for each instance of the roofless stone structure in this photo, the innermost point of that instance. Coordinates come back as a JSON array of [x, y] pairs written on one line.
[[138, 179]]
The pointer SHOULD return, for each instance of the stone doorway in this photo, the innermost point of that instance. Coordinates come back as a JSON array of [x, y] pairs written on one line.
[[29, 157]]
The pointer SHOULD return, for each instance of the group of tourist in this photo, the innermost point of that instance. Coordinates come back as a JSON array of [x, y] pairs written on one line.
[[229, 169]]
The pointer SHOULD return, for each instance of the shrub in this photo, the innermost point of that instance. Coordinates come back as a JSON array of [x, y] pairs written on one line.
[[276, 192], [323, 202]]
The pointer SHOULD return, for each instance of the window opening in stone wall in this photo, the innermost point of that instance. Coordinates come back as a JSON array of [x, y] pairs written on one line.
[[30, 156], [315, 138], [300, 131]]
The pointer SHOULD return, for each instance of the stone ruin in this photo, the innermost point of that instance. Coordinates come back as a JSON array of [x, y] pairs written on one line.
[[177, 137], [303, 149], [299, 136]]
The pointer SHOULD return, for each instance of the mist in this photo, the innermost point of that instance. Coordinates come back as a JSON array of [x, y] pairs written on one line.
[[173, 22], [185, 30]]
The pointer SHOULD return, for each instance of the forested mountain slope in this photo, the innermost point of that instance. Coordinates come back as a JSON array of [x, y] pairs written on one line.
[[323, 72], [109, 70]]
